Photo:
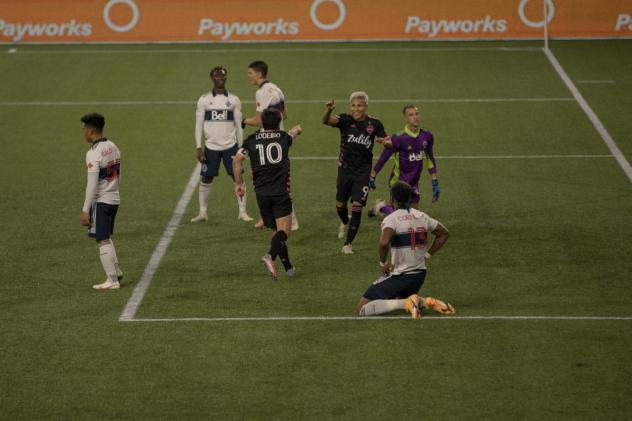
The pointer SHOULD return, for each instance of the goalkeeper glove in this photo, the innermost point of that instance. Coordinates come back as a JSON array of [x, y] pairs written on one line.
[[435, 190], [372, 185]]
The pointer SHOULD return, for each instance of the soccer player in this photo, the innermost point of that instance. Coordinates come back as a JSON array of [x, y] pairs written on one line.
[[410, 145], [358, 132], [268, 95], [405, 233], [218, 121], [103, 161], [268, 152]]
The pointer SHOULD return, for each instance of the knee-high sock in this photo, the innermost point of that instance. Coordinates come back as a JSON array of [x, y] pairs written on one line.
[[241, 202], [277, 242], [343, 214], [285, 257], [376, 307], [107, 256], [205, 190], [354, 224], [386, 210], [119, 272]]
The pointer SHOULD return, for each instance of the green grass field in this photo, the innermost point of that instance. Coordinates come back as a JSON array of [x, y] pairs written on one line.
[[539, 210]]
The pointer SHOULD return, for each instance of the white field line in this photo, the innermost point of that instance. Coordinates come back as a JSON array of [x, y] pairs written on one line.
[[139, 292], [296, 101], [327, 158], [326, 318], [610, 143], [237, 50], [596, 81]]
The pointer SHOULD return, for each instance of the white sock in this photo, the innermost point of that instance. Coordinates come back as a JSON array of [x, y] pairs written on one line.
[[119, 272], [375, 307], [241, 202], [205, 190], [107, 255], [294, 219]]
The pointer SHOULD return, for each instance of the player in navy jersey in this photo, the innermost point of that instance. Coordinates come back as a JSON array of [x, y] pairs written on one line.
[[268, 95], [405, 233], [410, 147], [103, 162], [358, 133], [268, 152]]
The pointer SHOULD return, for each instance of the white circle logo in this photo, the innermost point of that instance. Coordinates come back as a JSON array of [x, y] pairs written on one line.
[[550, 12], [121, 28], [342, 14]]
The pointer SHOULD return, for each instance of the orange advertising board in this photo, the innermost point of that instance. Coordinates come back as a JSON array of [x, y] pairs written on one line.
[[23, 21]]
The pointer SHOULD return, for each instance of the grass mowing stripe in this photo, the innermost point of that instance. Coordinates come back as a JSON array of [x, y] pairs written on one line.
[[148, 274], [296, 101], [610, 143]]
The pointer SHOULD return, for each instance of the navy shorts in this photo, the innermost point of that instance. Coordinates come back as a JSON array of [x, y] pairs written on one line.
[[102, 216], [273, 207], [390, 286], [210, 168], [352, 186]]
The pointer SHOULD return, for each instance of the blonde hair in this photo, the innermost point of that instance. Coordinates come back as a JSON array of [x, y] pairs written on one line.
[[361, 95]]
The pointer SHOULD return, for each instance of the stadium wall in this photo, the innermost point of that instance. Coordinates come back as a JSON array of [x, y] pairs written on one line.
[[213, 21]]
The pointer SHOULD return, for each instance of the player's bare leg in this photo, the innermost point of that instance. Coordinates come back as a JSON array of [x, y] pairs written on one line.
[[278, 247]]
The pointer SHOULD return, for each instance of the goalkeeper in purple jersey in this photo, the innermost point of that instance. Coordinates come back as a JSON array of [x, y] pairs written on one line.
[[410, 146]]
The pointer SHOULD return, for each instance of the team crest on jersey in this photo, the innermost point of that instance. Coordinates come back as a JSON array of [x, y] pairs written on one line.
[[228, 104], [90, 165], [409, 148], [369, 128], [424, 144]]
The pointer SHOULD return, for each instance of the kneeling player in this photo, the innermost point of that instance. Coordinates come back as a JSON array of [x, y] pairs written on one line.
[[404, 232], [268, 153]]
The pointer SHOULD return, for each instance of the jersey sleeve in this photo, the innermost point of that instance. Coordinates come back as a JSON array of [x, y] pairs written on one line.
[[199, 122], [431, 224], [244, 147], [430, 158], [92, 165], [388, 222], [343, 120], [384, 157], [380, 132], [262, 100]]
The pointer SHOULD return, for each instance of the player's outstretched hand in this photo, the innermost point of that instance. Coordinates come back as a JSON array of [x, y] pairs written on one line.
[[331, 105], [296, 130], [435, 190], [240, 190]]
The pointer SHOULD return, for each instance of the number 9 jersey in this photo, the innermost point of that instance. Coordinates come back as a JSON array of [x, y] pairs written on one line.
[[269, 160]]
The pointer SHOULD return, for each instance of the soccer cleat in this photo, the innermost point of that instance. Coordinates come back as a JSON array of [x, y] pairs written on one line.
[[202, 216], [291, 272], [269, 264], [108, 284], [244, 217], [347, 249], [379, 204], [412, 304], [342, 231], [439, 306], [259, 224]]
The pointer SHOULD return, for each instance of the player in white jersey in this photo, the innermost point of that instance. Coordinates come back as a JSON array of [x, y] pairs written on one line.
[[103, 161], [405, 233], [268, 95], [217, 121]]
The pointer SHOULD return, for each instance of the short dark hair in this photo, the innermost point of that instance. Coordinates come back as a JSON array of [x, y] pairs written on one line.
[[94, 120], [408, 107], [219, 69], [401, 192], [271, 118], [259, 66]]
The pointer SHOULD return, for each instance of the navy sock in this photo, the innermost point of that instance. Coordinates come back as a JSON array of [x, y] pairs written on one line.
[[343, 213], [354, 224], [277, 242]]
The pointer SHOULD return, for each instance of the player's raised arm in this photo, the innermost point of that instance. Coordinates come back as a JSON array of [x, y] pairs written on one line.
[[327, 118]]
